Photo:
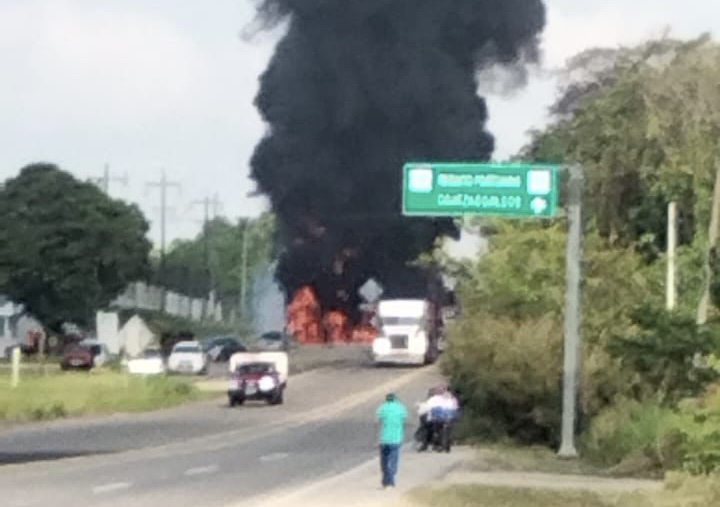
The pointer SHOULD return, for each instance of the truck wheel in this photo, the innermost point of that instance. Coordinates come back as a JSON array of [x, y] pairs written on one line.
[[277, 398], [236, 401]]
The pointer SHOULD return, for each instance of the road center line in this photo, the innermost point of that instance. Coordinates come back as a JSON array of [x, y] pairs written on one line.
[[276, 456], [202, 470], [109, 488]]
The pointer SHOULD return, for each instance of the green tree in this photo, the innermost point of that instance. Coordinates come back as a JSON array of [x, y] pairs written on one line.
[[644, 124], [66, 248], [213, 260], [505, 351], [603, 119]]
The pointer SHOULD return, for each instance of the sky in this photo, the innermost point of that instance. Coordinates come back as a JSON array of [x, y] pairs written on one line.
[[169, 85]]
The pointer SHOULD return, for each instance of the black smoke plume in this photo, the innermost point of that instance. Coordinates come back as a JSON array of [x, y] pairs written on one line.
[[354, 90]]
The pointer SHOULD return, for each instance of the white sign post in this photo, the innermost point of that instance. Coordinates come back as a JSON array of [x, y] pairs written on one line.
[[16, 354]]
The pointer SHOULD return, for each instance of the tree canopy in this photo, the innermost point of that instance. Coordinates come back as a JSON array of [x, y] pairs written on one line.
[[66, 248], [644, 123], [213, 260]]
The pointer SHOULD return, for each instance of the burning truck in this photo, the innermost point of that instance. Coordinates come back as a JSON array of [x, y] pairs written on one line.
[[405, 326]]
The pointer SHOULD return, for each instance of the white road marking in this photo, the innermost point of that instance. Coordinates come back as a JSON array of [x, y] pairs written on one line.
[[202, 470], [273, 457], [109, 488]]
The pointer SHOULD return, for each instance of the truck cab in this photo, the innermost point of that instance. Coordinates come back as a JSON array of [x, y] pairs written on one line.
[[407, 332]]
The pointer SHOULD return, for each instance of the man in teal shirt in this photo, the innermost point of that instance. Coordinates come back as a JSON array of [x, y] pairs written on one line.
[[391, 416]]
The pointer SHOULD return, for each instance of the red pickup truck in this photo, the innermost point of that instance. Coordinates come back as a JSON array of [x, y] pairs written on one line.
[[256, 381]]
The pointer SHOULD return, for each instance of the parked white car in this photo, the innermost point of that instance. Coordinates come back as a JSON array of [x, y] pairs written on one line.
[[150, 363], [188, 357]]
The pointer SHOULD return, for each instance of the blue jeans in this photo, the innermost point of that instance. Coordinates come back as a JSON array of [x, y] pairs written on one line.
[[389, 457]]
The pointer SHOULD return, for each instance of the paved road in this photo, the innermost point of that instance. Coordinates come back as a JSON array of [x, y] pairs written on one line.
[[224, 456], [309, 357], [100, 435]]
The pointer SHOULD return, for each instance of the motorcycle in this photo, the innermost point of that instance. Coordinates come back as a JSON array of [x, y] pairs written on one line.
[[440, 440]]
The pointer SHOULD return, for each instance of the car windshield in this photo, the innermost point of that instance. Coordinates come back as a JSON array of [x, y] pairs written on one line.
[[151, 354], [255, 368], [187, 349], [271, 336], [400, 321], [219, 341]]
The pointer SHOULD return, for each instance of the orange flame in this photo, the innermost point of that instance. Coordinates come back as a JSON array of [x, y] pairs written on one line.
[[308, 324], [303, 315]]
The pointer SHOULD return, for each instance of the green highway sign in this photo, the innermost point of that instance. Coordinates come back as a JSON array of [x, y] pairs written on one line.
[[488, 189]]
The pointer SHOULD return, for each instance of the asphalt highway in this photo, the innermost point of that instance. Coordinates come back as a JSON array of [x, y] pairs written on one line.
[[207, 454], [98, 435]]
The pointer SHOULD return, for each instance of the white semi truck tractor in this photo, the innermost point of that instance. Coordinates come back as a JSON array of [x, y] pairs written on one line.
[[409, 332]]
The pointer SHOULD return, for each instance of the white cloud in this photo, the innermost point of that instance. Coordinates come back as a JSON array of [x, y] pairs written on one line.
[[82, 64], [164, 83], [574, 26]]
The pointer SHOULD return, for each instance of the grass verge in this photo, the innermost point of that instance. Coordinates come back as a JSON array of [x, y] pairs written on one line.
[[513, 458], [74, 394], [680, 491], [471, 496]]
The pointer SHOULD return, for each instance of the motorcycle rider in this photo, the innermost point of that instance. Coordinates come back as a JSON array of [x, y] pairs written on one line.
[[428, 427], [442, 415]]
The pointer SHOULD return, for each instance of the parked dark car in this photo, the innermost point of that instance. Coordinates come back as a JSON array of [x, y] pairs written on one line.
[[256, 381], [83, 355], [220, 349], [275, 340]]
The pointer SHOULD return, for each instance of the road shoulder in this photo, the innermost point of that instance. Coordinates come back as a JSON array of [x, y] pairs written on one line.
[[432, 472], [360, 486]]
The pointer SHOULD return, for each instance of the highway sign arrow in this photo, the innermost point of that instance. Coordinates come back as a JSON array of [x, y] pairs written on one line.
[[538, 205]]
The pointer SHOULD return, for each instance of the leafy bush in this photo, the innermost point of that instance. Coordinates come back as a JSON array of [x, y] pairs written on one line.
[[508, 376], [657, 438], [661, 353], [644, 434], [702, 434], [505, 352]]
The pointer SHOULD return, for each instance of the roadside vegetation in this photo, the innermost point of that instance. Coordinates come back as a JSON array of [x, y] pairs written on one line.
[[644, 123], [39, 398], [213, 261], [472, 495], [688, 493]]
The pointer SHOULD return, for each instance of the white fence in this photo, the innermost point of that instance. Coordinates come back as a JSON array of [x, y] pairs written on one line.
[[141, 296]]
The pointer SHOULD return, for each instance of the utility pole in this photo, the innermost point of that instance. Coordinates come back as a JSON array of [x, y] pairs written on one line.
[[712, 241], [163, 185], [573, 341], [106, 178], [212, 207], [243, 279], [670, 286]]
